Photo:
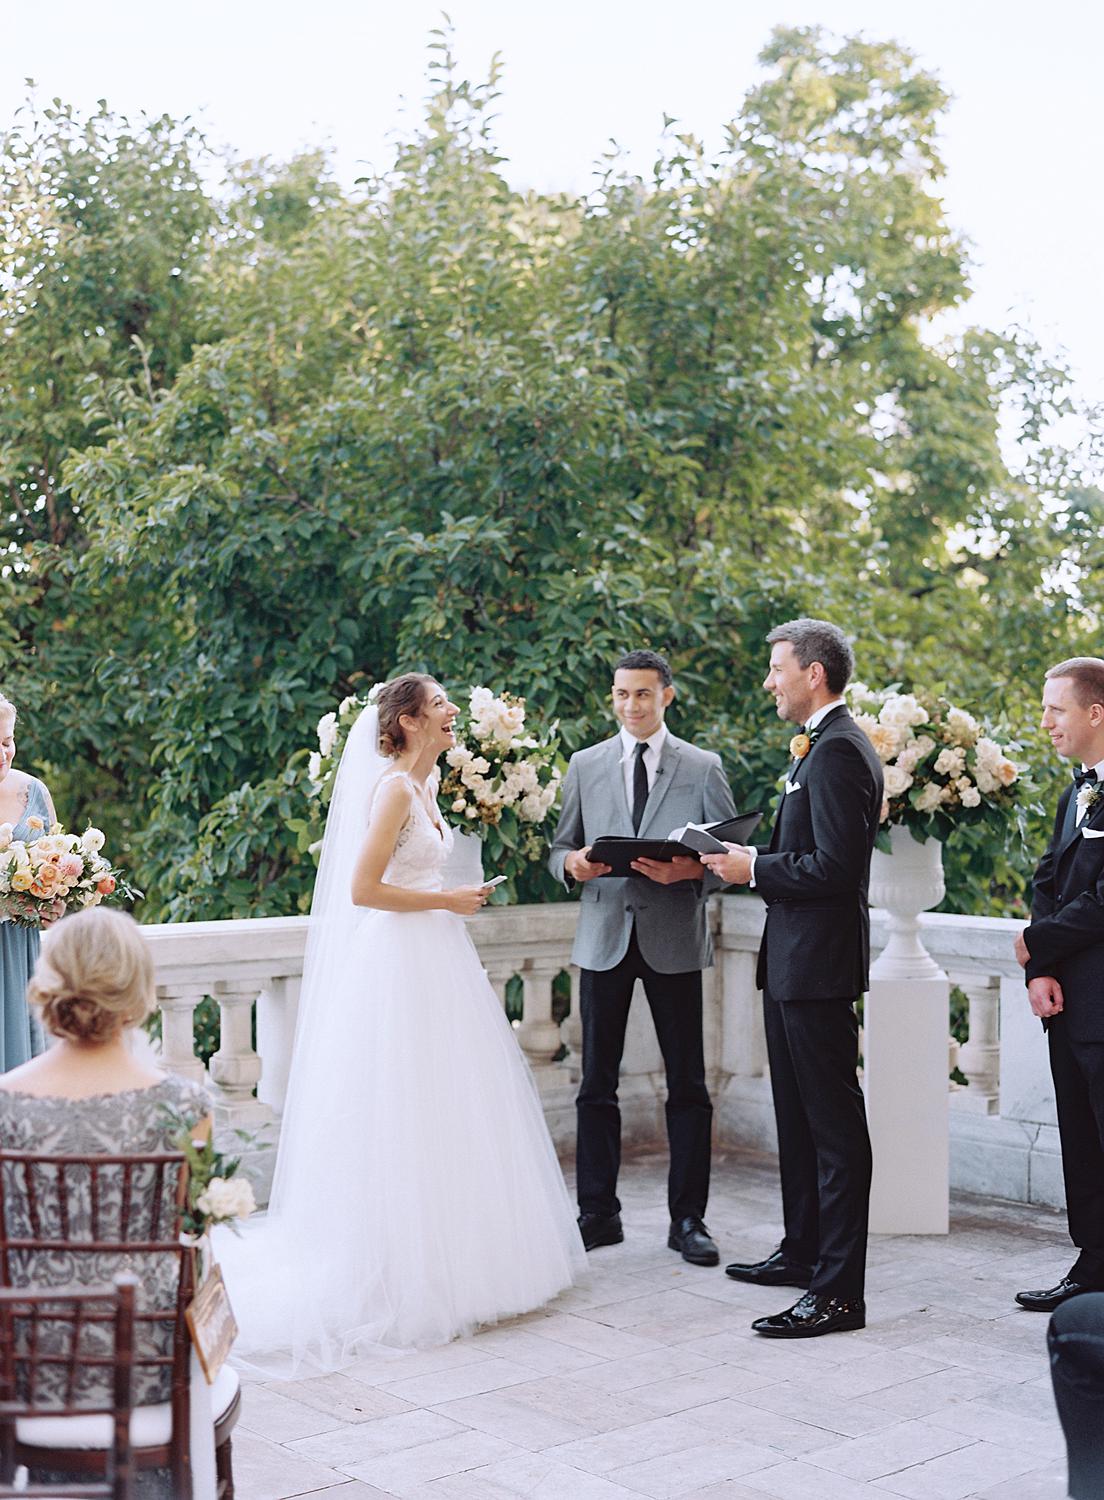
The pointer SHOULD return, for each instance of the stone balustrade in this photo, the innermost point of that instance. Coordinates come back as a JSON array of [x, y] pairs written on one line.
[[1003, 1133]]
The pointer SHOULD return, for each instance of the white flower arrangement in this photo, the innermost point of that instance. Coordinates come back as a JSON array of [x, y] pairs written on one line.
[[940, 767], [497, 772]]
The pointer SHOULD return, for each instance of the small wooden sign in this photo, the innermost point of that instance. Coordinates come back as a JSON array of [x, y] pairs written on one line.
[[212, 1324]]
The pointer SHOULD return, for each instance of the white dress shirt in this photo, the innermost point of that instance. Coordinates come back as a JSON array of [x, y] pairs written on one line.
[[629, 742], [810, 725], [1082, 812]]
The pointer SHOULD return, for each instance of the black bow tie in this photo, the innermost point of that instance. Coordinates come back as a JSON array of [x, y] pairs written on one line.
[[1085, 778]]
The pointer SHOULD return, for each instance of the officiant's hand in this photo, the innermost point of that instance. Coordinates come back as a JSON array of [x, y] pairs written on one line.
[[669, 871], [734, 868], [1045, 996], [579, 867]]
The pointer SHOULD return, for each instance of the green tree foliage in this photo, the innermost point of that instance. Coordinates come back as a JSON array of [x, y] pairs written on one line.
[[439, 424]]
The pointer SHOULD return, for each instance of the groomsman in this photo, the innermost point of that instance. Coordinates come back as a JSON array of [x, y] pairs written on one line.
[[1062, 952], [649, 926], [813, 966]]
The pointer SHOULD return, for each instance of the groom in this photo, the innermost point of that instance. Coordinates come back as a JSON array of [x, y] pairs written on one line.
[[813, 966], [650, 926]]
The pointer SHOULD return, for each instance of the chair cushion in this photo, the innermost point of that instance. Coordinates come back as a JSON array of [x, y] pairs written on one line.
[[150, 1426]]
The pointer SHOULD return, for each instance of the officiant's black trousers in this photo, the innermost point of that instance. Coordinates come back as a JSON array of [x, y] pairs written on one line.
[[823, 1145], [675, 1001]]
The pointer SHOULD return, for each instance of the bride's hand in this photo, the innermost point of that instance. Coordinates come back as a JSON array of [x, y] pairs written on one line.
[[465, 900]]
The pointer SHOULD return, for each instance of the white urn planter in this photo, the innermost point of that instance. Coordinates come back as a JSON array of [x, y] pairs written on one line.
[[464, 866], [905, 1025], [906, 882]]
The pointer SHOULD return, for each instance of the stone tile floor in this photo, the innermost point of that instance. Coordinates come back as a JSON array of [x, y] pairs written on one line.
[[647, 1381]]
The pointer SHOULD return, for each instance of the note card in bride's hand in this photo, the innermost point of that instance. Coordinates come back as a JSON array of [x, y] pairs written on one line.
[[212, 1324]]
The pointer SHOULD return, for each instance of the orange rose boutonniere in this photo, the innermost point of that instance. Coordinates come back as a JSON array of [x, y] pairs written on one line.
[[800, 746]]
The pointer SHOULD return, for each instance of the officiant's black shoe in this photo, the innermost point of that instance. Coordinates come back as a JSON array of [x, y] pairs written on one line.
[[600, 1229], [776, 1270], [1052, 1297], [813, 1315], [690, 1238]]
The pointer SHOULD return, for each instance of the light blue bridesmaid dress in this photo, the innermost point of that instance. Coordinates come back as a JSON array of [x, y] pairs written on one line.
[[20, 1033]]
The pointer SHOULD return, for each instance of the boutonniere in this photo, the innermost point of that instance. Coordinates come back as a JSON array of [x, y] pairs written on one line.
[[1087, 798], [802, 743]]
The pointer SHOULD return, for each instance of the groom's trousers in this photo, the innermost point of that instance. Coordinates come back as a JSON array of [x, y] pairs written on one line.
[[675, 1001]]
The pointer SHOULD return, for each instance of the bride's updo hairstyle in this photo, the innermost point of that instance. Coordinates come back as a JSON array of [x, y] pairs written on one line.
[[94, 977], [402, 695]]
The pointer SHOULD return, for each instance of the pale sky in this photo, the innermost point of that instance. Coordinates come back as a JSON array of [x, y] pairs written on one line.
[[1023, 138]]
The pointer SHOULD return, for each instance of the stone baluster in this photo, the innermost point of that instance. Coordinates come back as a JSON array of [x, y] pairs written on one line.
[[538, 1033], [500, 975], [277, 1014], [177, 1004], [979, 1056], [235, 1067]]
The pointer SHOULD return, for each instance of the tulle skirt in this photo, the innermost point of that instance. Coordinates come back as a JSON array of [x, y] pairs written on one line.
[[417, 1192]]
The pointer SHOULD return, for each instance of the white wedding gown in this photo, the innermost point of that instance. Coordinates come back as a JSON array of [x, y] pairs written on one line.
[[417, 1193]]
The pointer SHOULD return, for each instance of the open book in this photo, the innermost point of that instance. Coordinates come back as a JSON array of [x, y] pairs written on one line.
[[692, 839]]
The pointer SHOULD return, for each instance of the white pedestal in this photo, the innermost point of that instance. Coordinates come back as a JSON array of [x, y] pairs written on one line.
[[905, 1082]]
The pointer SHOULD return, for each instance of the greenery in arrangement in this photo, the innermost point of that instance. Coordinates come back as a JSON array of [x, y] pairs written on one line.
[[261, 444]]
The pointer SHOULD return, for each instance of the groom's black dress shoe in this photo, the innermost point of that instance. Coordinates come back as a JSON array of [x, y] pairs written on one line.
[[1049, 1299], [812, 1316], [600, 1229], [690, 1237], [776, 1270]]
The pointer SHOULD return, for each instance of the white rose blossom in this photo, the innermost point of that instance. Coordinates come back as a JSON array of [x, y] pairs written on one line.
[[92, 840], [929, 798], [970, 795], [962, 727], [327, 733], [897, 781], [903, 710], [227, 1198], [950, 761]]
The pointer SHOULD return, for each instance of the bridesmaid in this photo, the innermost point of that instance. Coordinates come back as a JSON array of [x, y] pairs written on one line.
[[22, 797]]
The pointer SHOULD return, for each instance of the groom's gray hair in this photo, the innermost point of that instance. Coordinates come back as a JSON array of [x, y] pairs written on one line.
[[819, 640]]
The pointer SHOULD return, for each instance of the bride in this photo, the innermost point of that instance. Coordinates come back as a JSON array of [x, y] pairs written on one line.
[[417, 1192]]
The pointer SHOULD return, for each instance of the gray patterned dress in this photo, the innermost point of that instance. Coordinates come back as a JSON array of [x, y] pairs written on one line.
[[136, 1120]]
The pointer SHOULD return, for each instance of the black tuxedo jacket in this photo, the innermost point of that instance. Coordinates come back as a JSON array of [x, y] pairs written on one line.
[[1066, 935], [815, 874]]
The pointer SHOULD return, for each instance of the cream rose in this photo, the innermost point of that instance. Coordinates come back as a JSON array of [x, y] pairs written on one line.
[[92, 840], [896, 781], [327, 733], [1007, 772], [227, 1198], [929, 798]]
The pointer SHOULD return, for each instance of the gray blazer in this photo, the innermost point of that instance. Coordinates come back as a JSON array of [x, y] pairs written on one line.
[[690, 787]]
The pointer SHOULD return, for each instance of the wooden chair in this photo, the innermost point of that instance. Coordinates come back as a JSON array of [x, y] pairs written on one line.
[[43, 1347], [74, 1215]]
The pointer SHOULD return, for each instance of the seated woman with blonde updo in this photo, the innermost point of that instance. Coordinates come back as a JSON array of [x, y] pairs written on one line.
[[91, 1092]]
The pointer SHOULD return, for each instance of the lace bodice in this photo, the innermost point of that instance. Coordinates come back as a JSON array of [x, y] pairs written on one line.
[[422, 846]]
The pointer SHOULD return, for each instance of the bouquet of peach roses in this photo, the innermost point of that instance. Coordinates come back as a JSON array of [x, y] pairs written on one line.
[[53, 872]]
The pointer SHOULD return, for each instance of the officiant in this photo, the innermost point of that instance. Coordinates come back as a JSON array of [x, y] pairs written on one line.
[[650, 925]]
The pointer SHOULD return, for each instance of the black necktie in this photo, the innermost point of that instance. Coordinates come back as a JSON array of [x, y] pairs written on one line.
[[640, 786]]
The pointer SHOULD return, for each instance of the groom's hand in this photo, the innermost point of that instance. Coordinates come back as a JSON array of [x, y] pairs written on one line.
[[669, 871], [734, 868], [1045, 996], [579, 867]]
